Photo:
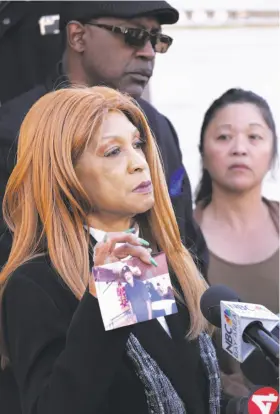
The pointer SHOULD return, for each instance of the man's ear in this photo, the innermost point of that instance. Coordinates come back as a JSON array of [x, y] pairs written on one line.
[[76, 36]]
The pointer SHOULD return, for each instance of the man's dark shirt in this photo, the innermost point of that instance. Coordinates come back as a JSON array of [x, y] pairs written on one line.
[[26, 56], [138, 296], [152, 291]]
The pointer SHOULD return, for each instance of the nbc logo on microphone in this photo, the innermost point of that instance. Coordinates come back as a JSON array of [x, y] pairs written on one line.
[[227, 315]]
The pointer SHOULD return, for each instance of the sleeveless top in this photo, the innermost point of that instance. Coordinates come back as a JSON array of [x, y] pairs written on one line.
[[256, 283]]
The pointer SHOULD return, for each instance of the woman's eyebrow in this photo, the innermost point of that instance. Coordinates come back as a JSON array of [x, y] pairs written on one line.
[[134, 134], [256, 124]]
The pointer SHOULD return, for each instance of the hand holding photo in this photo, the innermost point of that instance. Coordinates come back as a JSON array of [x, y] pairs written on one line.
[[130, 291]]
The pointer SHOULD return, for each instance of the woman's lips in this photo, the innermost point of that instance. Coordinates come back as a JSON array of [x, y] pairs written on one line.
[[239, 167], [144, 187]]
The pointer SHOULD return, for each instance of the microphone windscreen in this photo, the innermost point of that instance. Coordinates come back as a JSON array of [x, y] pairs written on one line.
[[210, 302]]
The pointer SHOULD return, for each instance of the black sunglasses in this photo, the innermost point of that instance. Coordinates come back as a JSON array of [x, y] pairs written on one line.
[[139, 37]]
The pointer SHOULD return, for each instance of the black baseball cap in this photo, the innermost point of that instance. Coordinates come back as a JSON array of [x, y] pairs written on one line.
[[125, 270], [86, 10]]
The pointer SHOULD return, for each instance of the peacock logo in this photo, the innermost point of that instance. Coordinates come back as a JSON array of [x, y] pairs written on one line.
[[227, 314]]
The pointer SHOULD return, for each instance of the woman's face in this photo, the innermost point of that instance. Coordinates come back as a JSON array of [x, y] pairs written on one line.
[[113, 167], [237, 148]]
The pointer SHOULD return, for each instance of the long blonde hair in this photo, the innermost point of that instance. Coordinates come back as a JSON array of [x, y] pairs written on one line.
[[46, 207]]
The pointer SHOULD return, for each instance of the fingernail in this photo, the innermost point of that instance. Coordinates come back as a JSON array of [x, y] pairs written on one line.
[[153, 262], [105, 238], [143, 242], [150, 250], [132, 230]]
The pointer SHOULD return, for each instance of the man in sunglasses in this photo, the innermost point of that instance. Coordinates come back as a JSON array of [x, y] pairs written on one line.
[[112, 43], [116, 46]]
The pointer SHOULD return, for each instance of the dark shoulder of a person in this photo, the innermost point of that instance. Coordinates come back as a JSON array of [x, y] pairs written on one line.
[[39, 272], [13, 112], [152, 113]]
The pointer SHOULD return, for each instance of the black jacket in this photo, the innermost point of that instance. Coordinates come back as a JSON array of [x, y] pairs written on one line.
[[27, 57], [12, 114], [65, 362]]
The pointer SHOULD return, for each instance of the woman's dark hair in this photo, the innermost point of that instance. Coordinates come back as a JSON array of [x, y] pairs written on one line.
[[232, 96]]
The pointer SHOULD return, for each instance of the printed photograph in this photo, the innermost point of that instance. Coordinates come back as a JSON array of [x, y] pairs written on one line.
[[129, 291]]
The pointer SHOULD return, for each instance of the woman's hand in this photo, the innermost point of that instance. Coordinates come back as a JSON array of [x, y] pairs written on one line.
[[107, 252]]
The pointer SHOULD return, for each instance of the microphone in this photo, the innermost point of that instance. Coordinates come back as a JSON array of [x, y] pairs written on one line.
[[259, 370], [261, 399], [245, 326]]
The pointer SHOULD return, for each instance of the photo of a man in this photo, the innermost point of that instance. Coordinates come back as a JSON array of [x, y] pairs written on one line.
[[137, 295], [127, 292]]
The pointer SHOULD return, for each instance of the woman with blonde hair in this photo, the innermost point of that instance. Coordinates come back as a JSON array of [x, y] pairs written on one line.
[[87, 172]]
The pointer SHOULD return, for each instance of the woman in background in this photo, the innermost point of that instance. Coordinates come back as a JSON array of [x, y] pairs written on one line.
[[238, 146], [88, 171]]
